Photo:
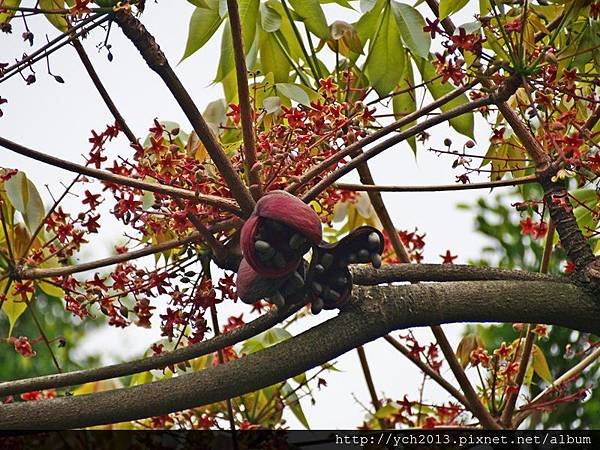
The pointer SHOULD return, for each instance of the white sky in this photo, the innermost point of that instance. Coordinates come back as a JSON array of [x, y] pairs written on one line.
[[57, 119]]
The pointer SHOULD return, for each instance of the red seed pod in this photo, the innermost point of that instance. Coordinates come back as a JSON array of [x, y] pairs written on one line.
[[287, 289], [280, 230]]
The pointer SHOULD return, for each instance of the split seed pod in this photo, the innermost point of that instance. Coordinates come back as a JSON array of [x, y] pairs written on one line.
[[278, 233]]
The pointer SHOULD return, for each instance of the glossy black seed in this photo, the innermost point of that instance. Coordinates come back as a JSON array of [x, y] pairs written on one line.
[[277, 299], [326, 260], [317, 306], [340, 281], [332, 295], [364, 256], [297, 241], [373, 241], [376, 260], [318, 288], [279, 260], [296, 280], [262, 246], [319, 269], [266, 256]]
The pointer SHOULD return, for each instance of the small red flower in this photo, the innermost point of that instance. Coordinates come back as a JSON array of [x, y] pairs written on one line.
[[448, 258]]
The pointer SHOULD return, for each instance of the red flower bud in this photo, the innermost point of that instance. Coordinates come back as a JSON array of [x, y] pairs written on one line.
[[280, 230]]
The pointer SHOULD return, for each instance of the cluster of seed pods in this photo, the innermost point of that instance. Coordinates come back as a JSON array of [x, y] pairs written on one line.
[[274, 240]]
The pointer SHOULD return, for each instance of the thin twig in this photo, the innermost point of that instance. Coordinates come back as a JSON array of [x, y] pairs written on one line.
[[103, 175], [436, 188], [429, 371]]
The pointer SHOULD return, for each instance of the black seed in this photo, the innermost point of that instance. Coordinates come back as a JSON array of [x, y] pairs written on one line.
[[279, 260], [277, 299], [266, 256], [297, 241], [296, 280], [351, 258], [317, 287], [274, 226], [340, 281], [363, 255], [317, 306], [376, 260], [326, 260], [332, 295], [319, 269], [262, 246], [374, 241]]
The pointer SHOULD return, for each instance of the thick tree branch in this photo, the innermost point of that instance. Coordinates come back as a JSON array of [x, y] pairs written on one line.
[[415, 273], [212, 200], [251, 329], [373, 313], [157, 61]]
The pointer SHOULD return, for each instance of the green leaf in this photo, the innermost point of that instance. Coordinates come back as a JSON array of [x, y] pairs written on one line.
[[8, 14], [411, 23], [386, 60], [51, 290], [274, 336], [293, 402], [203, 25], [295, 92], [367, 5], [464, 124], [199, 3], [272, 58], [57, 20], [141, 378], [13, 306], [540, 365], [270, 20], [249, 17], [448, 7], [406, 103], [367, 24], [26, 199], [313, 16]]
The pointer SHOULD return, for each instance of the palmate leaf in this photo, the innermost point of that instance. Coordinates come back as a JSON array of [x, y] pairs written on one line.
[[57, 20], [205, 21], [406, 102], [26, 199], [386, 60], [411, 23], [13, 306], [313, 16], [249, 17]]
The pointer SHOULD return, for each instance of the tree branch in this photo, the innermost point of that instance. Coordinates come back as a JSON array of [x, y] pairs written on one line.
[[370, 138], [372, 313], [104, 175], [504, 93], [415, 273], [436, 188], [22, 273], [85, 60], [249, 330], [246, 110], [157, 61]]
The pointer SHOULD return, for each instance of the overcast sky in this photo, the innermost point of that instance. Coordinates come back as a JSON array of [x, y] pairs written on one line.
[[57, 119]]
